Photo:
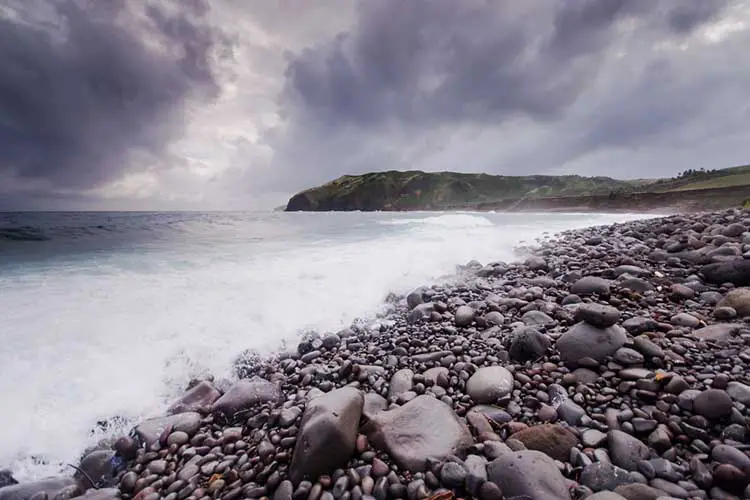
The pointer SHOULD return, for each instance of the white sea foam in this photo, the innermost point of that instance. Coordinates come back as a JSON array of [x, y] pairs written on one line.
[[119, 333]]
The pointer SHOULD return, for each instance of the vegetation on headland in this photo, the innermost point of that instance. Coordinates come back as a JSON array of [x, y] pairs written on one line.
[[417, 190]]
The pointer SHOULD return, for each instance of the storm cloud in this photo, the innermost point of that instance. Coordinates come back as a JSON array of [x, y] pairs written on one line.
[[137, 103], [85, 86]]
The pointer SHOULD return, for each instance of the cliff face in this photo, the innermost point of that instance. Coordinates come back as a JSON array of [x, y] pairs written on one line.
[[417, 190]]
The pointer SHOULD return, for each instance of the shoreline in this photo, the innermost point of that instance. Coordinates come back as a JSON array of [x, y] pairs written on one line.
[[506, 337]]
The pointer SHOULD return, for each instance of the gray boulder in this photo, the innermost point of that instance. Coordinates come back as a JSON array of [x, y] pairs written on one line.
[[625, 450], [422, 428], [739, 300], [598, 315], [583, 340], [464, 316], [199, 398], [489, 383], [720, 332], [414, 298], [243, 396], [530, 474], [537, 318], [150, 430], [528, 343], [98, 467], [327, 435], [6, 478], [24, 491], [606, 495], [736, 271], [421, 312], [590, 285]]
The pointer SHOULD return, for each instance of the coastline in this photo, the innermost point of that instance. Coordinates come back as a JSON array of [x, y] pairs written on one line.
[[437, 355]]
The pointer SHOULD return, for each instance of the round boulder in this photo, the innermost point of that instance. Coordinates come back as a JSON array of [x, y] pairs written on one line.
[[713, 404], [489, 383], [739, 300], [583, 340], [590, 285], [551, 439]]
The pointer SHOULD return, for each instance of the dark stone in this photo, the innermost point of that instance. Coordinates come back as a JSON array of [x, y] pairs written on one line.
[[237, 402], [589, 285], [327, 435], [586, 341], [528, 343], [199, 398], [735, 271], [713, 404], [97, 466], [598, 315]]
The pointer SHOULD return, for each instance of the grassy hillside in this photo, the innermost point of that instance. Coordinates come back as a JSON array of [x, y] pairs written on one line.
[[395, 190], [413, 190]]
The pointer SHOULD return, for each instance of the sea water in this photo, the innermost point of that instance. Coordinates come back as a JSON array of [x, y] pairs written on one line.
[[107, 316]]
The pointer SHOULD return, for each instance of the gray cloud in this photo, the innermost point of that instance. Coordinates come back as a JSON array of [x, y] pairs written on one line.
[[97, 81], [612, 87], [507, 87]]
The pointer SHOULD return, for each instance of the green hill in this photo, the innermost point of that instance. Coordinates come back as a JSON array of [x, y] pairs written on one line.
[[417, 190], [394, 190]]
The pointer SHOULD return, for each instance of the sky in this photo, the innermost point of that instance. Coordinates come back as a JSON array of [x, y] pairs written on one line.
[[237, 105]]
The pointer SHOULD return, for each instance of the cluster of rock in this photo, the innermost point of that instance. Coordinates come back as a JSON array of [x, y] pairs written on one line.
[[611, 364]]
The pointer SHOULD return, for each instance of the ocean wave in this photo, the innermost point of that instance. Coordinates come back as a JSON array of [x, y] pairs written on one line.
[[450, 221]]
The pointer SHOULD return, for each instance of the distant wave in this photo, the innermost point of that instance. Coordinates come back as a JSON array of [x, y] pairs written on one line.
[[25, 233], [451, 221]]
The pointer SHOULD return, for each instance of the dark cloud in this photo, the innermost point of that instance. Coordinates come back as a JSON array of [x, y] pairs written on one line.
[[424, 61], [95, 82], [503, 86]]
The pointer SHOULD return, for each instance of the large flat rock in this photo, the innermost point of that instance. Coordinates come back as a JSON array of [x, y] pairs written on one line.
[[151, 429], [199, 398], [244, 395], [529, 474], [424, 427], [583, 340], [327, 435]]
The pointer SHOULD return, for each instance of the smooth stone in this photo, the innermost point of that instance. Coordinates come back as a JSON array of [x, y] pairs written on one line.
[[638, 491], [98, 466], [736, 271], [489, 383], [627, 356], [528, 343], [327, 434], [401, 382], [149, 431], [551, 439], [374, 403], [589, 285], [605, 495], [570, 412], [528, 473], [625, 450], [598, 315], [199, 398], [726, 454], [739, 392], [685, 319], [720, 332], [100, 494], [422, 428], [739, 300], [585, 341], [464, 316], [476, 467], [537, 318], [453, 475], [244, 395], [593, 438], [713, 404]]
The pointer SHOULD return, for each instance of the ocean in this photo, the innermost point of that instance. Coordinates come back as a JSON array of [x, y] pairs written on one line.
[[107, 316]]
